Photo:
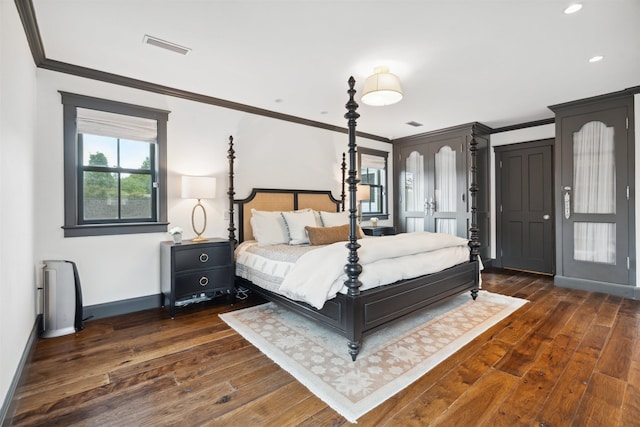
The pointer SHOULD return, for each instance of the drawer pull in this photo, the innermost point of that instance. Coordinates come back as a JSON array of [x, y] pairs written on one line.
[[204, 281], [204, 257]]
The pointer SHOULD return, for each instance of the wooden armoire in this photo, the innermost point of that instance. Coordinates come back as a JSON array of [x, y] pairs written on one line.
[[432, 177]]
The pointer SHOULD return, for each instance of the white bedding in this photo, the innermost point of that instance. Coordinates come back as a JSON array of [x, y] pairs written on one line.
[[315, 274]]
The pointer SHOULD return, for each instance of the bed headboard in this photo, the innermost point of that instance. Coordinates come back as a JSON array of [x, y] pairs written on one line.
[[267, 199]]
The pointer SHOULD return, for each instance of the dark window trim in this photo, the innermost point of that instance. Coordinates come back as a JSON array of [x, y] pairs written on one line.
[[385, 196], [72, 227]]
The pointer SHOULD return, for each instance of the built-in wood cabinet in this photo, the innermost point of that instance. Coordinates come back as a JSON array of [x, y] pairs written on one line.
[[594, 194], [432, 180]]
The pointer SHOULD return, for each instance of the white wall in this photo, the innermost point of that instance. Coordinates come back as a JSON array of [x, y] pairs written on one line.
[[17, 144], [270, 154], [506, 138]]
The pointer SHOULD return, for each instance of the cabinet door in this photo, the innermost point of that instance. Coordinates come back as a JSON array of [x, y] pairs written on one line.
[[413, 188], [595, 204], [447, 192], [433, 188]]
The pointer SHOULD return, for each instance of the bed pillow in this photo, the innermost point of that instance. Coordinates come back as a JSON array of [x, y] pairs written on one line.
[[332, 219], [328, 235], [296, 222], [269, 228]]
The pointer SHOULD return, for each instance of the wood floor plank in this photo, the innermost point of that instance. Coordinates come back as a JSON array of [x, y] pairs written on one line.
[[267, 408], [562, 404], [608, 311], [496, 384], [535, 386], [602, 402], [518, 360], [616, 356], [631, 403]]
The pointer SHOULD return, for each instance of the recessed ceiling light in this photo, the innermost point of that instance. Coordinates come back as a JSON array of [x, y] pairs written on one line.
[[596, 58], [278, 100], [414, 123], [573, 8], [173, 47]]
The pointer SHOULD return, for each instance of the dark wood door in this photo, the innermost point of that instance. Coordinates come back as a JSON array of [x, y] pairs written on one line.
[[525, 206], [595, 196]]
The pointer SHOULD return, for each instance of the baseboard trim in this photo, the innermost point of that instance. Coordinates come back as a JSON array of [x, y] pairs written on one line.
[[626, 291], [115, 308], [9, 405]]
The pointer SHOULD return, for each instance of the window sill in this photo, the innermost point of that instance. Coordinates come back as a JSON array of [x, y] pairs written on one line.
[[379, 216], [114, 229]]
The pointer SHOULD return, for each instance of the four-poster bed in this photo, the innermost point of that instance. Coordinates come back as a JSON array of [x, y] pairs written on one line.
[[355, 312]]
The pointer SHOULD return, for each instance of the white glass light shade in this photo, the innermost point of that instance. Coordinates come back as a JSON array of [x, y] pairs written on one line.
[[381, 88], [198, 187]]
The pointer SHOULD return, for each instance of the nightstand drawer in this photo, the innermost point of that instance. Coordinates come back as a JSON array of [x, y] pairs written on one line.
[[202, 257], [203, 281]]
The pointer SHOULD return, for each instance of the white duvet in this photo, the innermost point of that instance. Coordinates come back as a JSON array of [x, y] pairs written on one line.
[[318, 275]]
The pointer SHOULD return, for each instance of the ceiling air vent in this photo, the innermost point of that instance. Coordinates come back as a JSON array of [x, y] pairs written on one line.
[[414, 124], [154, 41]]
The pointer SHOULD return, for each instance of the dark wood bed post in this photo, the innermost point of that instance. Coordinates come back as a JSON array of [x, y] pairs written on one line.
[[343, 166], [353, 268], [474, 241], [231, 193]]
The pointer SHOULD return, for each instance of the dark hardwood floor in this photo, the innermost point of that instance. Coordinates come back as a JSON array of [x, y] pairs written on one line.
[[569, 358]]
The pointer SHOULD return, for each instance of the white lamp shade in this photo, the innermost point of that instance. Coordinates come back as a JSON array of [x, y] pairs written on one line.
[[198, 187], [363, 192], [381, 88]]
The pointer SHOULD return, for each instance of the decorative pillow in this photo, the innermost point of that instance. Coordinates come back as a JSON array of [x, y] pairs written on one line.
[[296, 222], [328, 235], [331, 219], [269, 228]]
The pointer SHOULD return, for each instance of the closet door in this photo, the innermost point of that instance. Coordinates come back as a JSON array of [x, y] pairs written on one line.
[[434, 188], [413, 188], [447, 191], [595, 196]]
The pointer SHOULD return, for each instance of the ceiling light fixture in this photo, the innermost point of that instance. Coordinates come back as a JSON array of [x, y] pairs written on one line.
[[573, 8], [596, 58], [154, 41], [381, 88]]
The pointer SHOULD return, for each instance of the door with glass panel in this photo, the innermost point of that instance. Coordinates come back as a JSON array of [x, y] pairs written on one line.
[[434, 188], [595, 196]]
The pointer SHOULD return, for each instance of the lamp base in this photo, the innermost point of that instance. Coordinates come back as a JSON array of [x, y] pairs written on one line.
[[199, 239]]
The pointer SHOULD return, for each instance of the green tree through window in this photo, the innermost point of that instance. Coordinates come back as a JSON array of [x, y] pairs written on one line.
[[111, 191]]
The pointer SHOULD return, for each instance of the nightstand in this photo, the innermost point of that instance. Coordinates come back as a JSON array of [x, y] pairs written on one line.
[[381, 230], [194, 272]]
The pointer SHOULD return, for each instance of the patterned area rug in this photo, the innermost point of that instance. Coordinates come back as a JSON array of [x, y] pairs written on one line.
[[389, 360]]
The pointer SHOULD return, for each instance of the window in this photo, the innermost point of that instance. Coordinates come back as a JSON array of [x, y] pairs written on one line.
[[373, 172], [115, 167]]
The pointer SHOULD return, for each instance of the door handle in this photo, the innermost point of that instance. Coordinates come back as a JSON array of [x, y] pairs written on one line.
[[546, 217], [567, 202], [429, 206]]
